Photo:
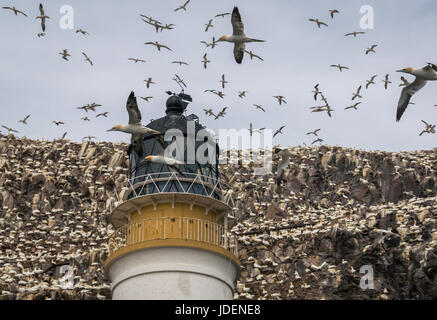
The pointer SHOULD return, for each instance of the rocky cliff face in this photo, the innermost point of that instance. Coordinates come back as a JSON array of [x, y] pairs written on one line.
[[340, 211]]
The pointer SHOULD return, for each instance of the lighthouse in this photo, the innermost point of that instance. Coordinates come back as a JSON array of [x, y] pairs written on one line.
[[171, 222]]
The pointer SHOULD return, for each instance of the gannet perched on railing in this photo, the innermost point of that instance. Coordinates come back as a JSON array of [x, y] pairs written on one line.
[[428, 73], [238, 37]]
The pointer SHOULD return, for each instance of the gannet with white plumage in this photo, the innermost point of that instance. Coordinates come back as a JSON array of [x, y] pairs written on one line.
[[238, 37], [428, 73]]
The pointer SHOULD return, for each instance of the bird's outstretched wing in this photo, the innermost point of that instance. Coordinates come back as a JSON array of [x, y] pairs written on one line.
[[133, 110], [237, 24], [406, 95], [239, 51]]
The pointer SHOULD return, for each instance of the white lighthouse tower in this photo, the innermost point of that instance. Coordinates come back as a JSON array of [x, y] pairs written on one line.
[[171, 239]]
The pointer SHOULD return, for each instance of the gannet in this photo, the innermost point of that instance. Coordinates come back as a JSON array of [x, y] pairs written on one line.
[[354, 106], [319, 23], [103, 114], [135, 128], [223, 81], [285, 155], [58, 122], [85, 119], [371, 81], [205, 61], [317, 140], [146, 98], [170, 162], [158, 45], [430, 128], [87, 58], [222, 15], [149, 82], [316, 91], [356, 94], [24, 121], [332, 12], [183, 6], [89, 138], [180, 81], [41, 34], [371, 49], [64, 53], [279, 131], [221, 113], [82, 31], [252, 130], [180, 63], [238, 37], [43, 17], [258, 106], [10, 129], [136, 60], [15, 10], [242, 94], [404, 83], [251, 54], [386, 81], [208, 25], [314, 132], [281, 99], [355, 33], [339, 66], [209, 112], [428, 73]]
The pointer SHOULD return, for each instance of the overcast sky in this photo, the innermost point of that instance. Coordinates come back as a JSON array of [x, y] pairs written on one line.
[[35, 80]]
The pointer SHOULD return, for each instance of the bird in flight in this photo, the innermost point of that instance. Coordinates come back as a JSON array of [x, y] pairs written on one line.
[[9, 129], [221, 113], [146, 98], [43, 17], [205, 61], [179, 80], [148, 82], [82, 31], [184, 6], [371, 49], [213, 44], [371, 81], [180, 63], [170, 162], [134, 127], [242, 94], [41, 34], [355, 33], [430, 128], [90, 106], [222, 15], [279, 131], [316, 91], [340, 67], [314, 132], [251, 54], [333, 12], [64, 53], [427, 73], [223, 81], [252, 130], [87, 58], [85, 119], [386, 81], [58, 122], [103, 114], [317, 140], [135, 60], [357, 94], [208, 25], [15, 10], [404, 83], [89, 138], [63, 136], [209, 112], [158, 45], [24, 121], [218, 93], [258, 106], [354, 106], [238, 36], [281, 99], [319, 23]]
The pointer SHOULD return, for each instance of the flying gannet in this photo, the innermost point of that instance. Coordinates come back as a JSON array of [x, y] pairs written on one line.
[[208, 25], [43, 17], [87, 58], [251, 54], [223, 81], [279, 131], [158, 45], [371, 49], [339, 66], [24, 121], [319, 23], [15, 10], [357, 94], [238, 36], [281, 99], [64, 53], [354, 106], [184, 6], [371, 81], [136, 60], [134, 127], [180, 63], [355, 33], [315, 132], [258, 106], [82, 31], [332, 12], [170, 162], [428, 73], [430, 128], [386, 81]]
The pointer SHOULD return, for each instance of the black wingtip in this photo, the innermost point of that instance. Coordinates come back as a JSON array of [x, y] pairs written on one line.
[[132, 95]]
